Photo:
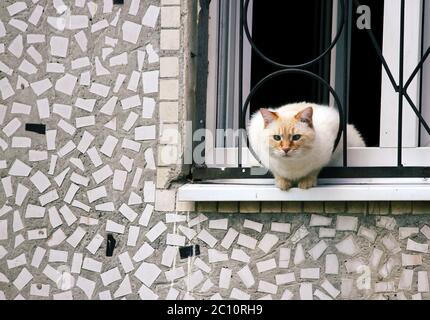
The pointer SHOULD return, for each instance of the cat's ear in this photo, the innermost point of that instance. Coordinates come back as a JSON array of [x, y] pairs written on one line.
[[306, 116], [268, 116]]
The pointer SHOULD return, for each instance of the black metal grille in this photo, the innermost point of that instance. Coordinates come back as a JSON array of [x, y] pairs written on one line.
[[342, 36]]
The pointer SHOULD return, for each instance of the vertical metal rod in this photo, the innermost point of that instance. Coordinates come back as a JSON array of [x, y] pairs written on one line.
[[401, 84], [347, 75], [241, 116], [423, 34]]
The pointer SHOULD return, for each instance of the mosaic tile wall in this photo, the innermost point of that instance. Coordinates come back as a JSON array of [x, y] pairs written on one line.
[[91, 92]]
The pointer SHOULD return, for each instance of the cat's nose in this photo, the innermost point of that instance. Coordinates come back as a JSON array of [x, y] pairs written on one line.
[[286, 150]]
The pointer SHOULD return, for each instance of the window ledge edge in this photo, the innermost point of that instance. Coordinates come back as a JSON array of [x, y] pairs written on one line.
[[341, 192]]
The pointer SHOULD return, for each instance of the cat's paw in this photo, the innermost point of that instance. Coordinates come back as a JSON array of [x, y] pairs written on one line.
[[283, 184], [308, 182]]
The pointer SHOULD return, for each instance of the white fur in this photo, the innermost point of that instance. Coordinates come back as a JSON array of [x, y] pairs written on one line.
[[326, 125]]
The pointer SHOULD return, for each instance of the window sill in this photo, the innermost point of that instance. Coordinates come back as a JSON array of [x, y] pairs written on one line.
[[338, 192]]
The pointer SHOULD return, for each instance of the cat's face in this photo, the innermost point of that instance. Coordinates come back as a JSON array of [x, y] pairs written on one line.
[[289, 137]]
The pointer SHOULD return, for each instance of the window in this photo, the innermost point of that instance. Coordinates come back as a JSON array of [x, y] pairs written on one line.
[[266, 54]]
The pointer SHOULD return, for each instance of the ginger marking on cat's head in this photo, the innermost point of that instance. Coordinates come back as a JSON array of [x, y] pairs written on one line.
[[268, 116], [306, 116]]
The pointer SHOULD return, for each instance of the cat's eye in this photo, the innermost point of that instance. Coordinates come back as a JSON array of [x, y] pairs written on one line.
[[277, 137], [296, 137]]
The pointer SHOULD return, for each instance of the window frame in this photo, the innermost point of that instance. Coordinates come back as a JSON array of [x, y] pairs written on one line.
[[384, 157]]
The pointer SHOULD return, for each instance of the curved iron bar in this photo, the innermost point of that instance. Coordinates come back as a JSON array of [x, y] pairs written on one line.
[[341, 27], [294, 71], [291, 69]]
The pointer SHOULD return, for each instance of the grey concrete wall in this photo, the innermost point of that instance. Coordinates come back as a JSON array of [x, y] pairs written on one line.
[[247, 250]]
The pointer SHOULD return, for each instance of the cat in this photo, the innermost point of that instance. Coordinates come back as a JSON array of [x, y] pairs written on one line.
[[296, 141]]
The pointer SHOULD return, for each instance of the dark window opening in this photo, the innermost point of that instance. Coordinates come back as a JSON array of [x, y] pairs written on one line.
[[295, 32], [366, 75], [290, 32]]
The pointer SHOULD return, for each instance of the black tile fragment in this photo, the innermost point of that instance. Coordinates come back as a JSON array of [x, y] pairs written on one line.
[[35, 127], [118, 1], [111, 242], [186, 252]]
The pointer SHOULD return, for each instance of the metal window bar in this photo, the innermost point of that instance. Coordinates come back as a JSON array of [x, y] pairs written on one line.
[[401, 87]]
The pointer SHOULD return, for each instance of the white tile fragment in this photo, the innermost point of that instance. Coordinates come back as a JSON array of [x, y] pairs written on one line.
[[100, 89], [391, 244], [300, 234], [95, 243], [40, 290], [388, 223], [345, 223], [59, 46], [256, 226], [240, 255], [310, 273], [114, 227], [207, 238], [280, 227], [405, 281], [299, 255], [247, 241], [37, 234], [331, 264], [388, 267], [16, 47], [217, 256], [40, 87], [268, 242], [168, 256], [246, 276], [317, 251], [92, 265], [16, 7], [12, 127], [410, 260], [56, 238], [320, 221], [94, 157], [147, 273], [151, 16], [17, 261], [287, 278], [417, 247], [124, 288], [102, 174], [229, 238], [131, 31], [126, 262], [57, 256], [267, 265], [405, 232], [153, 57], [225, 278], [156, 231], [384, 287], [423, 282], [426, 231], [133, 234], [348, 246], [38, 255], [237, 294], [6, 89], [306, 291], [87, 286], [110, 276], [150, 81], [22, 279], [76, 237]]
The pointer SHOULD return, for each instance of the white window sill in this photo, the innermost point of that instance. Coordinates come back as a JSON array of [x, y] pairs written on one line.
[[382, 191]]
